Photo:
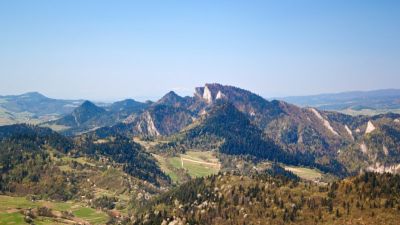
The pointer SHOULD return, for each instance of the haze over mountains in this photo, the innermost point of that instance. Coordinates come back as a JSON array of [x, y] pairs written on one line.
[[33, 107], [307, 136], [129, 152], [356, 102]]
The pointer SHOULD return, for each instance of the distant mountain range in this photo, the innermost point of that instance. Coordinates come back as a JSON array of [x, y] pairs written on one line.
[[118, 156], [33, 107], [357, 101], [236, 121]]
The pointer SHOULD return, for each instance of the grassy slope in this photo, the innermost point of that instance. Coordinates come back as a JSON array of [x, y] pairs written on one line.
[[197, 164], [305, 173], [10, 210]]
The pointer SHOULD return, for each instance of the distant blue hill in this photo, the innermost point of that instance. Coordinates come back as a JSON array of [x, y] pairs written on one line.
[[386, 99]]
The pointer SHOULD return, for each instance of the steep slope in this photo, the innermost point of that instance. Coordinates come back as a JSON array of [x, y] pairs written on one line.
[[227, 130], [233, 133], [320, 135], [162, 120], [157, 120], [256, 107], [298, 129], [376, 146]]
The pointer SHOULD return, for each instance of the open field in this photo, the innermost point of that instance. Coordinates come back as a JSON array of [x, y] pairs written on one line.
[[10, 211], [305, 173], [196, 164], [56, 127], [166, 167], [7, 117], [7, 218]]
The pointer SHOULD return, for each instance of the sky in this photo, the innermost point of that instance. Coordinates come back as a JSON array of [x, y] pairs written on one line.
[[110, 50]]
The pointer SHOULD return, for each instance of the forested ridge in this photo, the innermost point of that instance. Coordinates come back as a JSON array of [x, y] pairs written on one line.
[[263, 199]]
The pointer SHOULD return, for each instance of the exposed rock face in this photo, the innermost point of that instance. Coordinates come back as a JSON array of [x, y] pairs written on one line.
[[220, 95], [146, 125], [364, 148], [207, 95], [162, 120], [349, 131], [325, 122], [380, 168], [385, 150], [370, 127], [323, 134]]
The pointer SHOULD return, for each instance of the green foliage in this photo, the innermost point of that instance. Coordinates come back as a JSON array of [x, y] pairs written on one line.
[[130, 155], [104, 202], [40, 162], [264, 199], [26, 167]]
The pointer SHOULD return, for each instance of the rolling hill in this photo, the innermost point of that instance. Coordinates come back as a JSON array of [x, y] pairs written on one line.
[[33, 107], [356, 102]]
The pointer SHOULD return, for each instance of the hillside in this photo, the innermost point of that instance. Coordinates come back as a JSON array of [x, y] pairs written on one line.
[[85, 117], [40, 163], [222, 156], [262, 199], [89, 116], [265, 130], [121, 110]]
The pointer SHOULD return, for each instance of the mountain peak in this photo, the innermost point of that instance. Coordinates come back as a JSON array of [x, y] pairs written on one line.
[[210, 92], [127, 106], [171, 98], [88, 107], [127, 102], [214, 91], [33, 94], [88, 104], [172, 94]]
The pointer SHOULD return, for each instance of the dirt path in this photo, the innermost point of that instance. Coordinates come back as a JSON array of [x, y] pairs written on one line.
[[200, 162]]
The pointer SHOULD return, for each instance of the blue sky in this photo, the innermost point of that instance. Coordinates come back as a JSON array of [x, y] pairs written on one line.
[[108, 50]]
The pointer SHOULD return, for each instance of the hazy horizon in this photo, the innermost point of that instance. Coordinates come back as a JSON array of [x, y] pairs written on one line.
[[155, 98], [107, 51]]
